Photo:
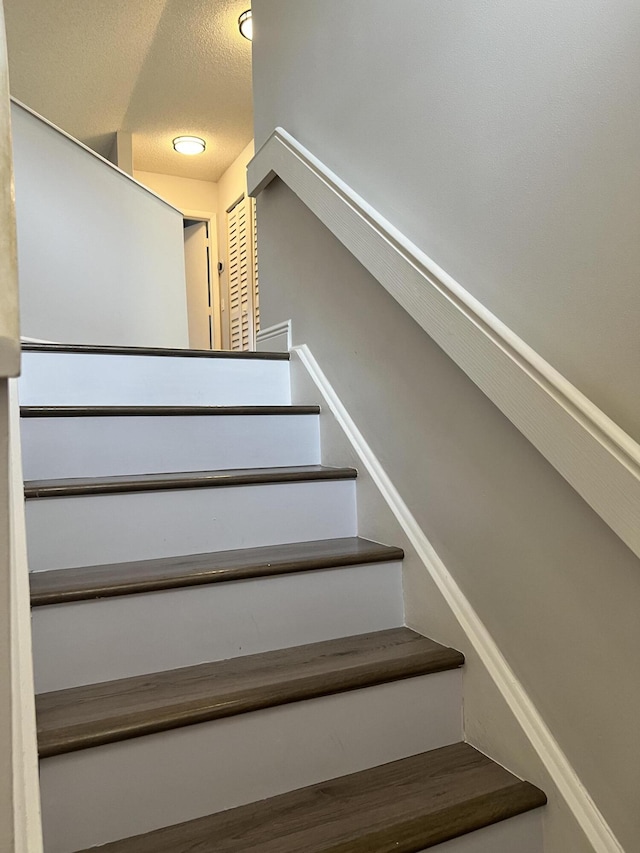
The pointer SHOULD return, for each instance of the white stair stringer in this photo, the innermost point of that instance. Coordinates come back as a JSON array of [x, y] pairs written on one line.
[[67, 532], [86, 642], [109, 792], [110, 445], [88, 379]]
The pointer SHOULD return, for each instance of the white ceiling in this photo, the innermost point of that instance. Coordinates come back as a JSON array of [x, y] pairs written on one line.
[[155, 68]]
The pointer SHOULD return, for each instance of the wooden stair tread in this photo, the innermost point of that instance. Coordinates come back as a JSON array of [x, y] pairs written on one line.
[[160, 411], [87, 716], [82, 584], [402, 807], [182, 480], [94, 349]]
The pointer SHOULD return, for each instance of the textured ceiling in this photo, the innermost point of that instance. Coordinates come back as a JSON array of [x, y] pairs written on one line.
[[154, 68]]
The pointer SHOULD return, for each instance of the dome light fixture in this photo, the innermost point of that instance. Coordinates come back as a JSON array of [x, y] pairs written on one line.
[[245, 23], [189, 145]]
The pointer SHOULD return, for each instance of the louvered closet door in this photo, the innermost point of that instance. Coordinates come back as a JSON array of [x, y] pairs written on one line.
[[256, 292], [243, 275], [240, 275]]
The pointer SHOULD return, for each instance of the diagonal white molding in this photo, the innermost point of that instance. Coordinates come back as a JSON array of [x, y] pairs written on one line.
[[116, 169], [590, 819], [592, 453]]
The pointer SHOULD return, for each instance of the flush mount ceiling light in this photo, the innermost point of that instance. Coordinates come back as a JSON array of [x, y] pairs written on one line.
[[245, 22], [189, 144]]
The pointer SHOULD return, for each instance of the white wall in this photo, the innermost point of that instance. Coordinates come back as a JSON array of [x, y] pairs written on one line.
[[502, 137], [9, 319], [100, 259]]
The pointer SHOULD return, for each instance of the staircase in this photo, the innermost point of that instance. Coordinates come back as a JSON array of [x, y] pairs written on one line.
[[221, 663]]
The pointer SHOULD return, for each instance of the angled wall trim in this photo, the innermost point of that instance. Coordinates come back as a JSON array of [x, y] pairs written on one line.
[[275, 338], [592, 453], [590, 819]]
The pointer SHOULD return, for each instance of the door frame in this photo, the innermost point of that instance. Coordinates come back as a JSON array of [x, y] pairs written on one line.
[[212, 222]]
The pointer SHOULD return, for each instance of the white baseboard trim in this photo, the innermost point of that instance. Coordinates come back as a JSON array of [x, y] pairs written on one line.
[[585, 811], [26, 784], [275, 338], [592, 453]]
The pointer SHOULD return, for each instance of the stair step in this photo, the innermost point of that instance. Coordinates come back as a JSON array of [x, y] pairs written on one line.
[[119, 790], [137, 626], [93, 529], [161, 411], [83, 584], [56, 375], [103, 441], [83, 717], [93, 349], [183, 480], [406, 806]]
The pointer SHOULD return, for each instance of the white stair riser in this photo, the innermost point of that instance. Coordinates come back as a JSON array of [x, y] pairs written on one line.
[[99, 529], [92, 641], [115, 791], [105, 446], [521, 834], [73, 379]]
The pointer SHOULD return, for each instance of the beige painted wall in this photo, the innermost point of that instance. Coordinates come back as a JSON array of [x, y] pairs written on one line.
[[501, 137], [232, 185], [20, 826], [556, 588], [183, 193]]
